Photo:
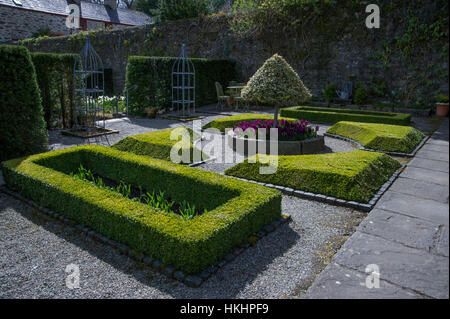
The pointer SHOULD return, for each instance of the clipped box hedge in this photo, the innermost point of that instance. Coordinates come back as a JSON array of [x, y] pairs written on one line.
[[333, 115], [22, 125], [354, 176], [236, 209], [382, 137], [153, 77], [157, 144], [231, 121]]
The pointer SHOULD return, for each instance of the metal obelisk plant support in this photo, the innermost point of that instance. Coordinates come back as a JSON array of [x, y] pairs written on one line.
[[183, 84], [89, 89]]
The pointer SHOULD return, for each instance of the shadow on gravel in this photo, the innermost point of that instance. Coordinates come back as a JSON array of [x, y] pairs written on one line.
[[228, 282]]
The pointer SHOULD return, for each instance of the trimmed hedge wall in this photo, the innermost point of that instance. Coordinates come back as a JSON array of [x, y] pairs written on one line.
[[236, 209], [153, 77], [156, 144], [22, 125], [333, 115], [382, 137], [55, 78], [354, 176], [230, 121]]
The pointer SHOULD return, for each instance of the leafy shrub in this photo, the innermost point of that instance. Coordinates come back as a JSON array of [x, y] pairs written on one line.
[[232, 121], [333, 115], [42, 32], [155, 144], [360, 95], [287, 130], [55, 79], [22, 125], [330, 93], [382, 137], [354, 176], [235, 209], [153, 77], [441, 98]]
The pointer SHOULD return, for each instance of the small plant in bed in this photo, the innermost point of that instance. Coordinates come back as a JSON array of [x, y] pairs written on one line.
[[287, 130], [153, 199]]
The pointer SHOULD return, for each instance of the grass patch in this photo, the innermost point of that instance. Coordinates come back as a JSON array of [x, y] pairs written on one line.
[[235, 209], [333, 115], [355, 175], [157, 144], [382, 137], [231, 121]]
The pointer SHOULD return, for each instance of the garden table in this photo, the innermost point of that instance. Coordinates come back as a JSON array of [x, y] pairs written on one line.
[[236, 89]]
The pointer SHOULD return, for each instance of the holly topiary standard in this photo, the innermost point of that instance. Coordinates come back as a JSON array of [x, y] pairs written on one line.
[[275, 83]]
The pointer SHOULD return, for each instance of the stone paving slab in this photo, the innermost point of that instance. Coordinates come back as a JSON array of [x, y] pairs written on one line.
[[404, 266], [338, 282], [410, 231], [443, 242], [439, 156], [435, 148], [441, 166], [438, 141], [409, 205], [426, 175], [422, 189]]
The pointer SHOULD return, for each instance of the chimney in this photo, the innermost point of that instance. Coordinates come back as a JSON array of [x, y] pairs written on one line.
[[111, 3]]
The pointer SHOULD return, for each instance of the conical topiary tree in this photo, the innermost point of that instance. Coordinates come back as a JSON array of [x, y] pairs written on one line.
[[274, 83]]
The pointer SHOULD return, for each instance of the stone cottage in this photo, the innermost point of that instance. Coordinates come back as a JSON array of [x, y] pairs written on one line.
[[19, 19]]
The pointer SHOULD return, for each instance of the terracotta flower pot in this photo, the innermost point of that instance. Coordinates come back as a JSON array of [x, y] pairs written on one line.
[[230, 101], [442, 109], [150, 112]]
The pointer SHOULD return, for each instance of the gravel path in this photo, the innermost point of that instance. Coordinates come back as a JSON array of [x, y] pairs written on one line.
[[36, 249]]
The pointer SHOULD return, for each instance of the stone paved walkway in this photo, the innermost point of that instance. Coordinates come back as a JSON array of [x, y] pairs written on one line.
[[406, 236]]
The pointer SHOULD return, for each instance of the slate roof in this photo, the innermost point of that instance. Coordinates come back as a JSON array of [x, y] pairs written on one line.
[[91, 11]]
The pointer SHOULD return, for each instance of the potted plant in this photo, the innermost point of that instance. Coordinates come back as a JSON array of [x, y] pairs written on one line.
[[442, 105], [151, 112], [230, 100]]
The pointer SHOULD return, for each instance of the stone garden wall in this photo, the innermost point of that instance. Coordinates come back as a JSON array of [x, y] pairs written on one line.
[[330, 51]]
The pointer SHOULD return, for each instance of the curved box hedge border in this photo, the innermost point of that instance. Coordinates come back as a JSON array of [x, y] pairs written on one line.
[[352, 176], [333, 115], [235, 209], [365, 207], [394, 140], [158, 144], [412, 154], [230, 121]]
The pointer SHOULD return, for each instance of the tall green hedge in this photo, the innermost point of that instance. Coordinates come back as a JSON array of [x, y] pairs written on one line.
[[153, 77], [55, 79], [22, 125]]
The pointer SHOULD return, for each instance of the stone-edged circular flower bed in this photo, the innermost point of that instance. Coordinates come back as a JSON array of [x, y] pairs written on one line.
[[294, 138]]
